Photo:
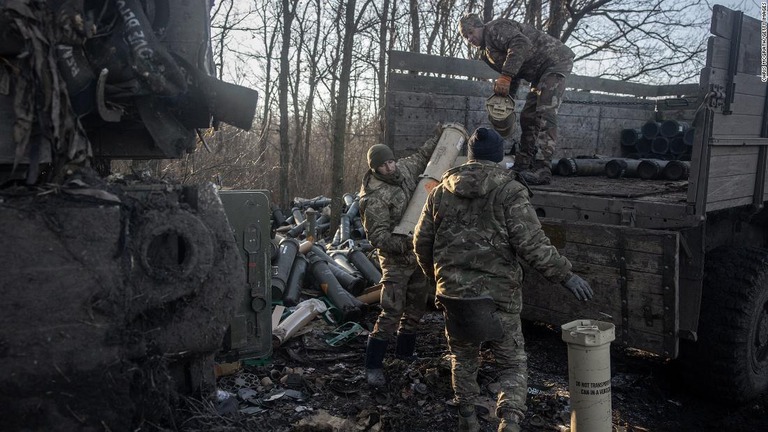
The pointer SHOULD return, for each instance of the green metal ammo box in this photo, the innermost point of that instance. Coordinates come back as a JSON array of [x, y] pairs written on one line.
[[250, 331]]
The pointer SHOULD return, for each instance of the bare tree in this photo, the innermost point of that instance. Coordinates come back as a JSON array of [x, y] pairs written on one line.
[[415, 28], [321, 72], [314, 76], [382, 66], [288, 13], [351, 21]]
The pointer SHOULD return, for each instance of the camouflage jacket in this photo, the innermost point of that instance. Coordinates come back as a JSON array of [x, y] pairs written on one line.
[[521, 51], [383, 204], [475, 225]]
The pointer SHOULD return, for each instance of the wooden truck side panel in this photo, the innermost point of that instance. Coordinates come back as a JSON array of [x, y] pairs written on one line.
[[634, 271], [730, 155], [426, 89]]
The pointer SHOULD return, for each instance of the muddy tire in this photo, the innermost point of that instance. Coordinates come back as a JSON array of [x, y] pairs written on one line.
[[730, 359]]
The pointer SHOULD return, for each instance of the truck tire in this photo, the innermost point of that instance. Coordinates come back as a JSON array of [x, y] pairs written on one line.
[[730, 359]]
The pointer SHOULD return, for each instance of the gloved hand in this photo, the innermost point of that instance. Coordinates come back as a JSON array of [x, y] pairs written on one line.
[[406, 243], [501, 87], [579, 287], [438, 130]]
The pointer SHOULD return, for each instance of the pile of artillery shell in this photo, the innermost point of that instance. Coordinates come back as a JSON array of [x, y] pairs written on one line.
[[308, 259]]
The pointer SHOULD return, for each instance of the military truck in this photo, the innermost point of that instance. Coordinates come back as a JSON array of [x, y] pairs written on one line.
[[117, 291], [679, 267]]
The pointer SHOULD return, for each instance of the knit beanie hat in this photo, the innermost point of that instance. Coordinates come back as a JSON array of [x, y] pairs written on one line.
[[468, 22], [485, 144], [378, 154]]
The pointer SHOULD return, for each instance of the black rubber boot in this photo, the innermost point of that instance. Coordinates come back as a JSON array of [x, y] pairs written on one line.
[[406, 346], [374, 362], [468, 418]]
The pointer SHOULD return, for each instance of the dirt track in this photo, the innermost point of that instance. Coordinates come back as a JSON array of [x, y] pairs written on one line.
[[332, 394]]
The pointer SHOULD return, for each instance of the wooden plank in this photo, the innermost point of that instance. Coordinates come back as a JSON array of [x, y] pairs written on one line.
[[610, 86], [621, 114], [424, 84], [641, 262], [408, 61], [607, 236], [585, 97], [729, 161], [451, 66], [656, 213], [431, 100], [748, 104], [425, 117], [723, 20], [743, 125], [718, 55], [732, 189], [729, 203], [576, 124], [737, 141], [677, 90], [745, 84]]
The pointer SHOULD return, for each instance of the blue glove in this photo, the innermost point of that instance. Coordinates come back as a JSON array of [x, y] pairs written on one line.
[[579, 287]]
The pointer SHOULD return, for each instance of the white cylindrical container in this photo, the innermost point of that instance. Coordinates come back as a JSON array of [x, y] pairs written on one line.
[[589, 374], [448, 146]]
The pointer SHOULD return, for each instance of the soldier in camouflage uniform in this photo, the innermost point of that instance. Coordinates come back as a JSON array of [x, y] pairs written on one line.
[[518, 51], [386, 190], [475, 225]]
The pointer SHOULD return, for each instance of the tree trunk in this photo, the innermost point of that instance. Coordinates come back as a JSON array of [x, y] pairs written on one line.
[[415, 30], [313, 80], [382, 72], [533, 13], [556, 18], [340, 117], [487, 10], [297, 159], [285, 149]]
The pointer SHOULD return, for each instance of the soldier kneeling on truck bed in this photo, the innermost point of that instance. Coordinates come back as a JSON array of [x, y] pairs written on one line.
[[518, 51]]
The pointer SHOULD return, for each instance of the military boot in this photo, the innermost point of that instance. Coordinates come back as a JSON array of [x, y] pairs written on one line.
[[509, 423], [468, 418], [539, 174], [406, 346], [522, 163], [374, 362]]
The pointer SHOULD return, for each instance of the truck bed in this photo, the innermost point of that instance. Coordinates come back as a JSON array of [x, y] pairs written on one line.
[[646, 190]]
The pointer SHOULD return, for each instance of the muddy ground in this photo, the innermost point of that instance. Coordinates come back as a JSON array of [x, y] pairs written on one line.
[[311, 386]]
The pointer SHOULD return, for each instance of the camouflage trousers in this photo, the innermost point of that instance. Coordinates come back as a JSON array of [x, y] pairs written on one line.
[[404, 300], [509, 352], [538, 120]]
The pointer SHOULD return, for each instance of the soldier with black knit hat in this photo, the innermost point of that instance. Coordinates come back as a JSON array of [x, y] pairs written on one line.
[[519, 51], [384, 195], [476, 225]]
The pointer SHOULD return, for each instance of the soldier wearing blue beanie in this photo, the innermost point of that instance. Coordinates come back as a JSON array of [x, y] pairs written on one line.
[[485, 144]]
